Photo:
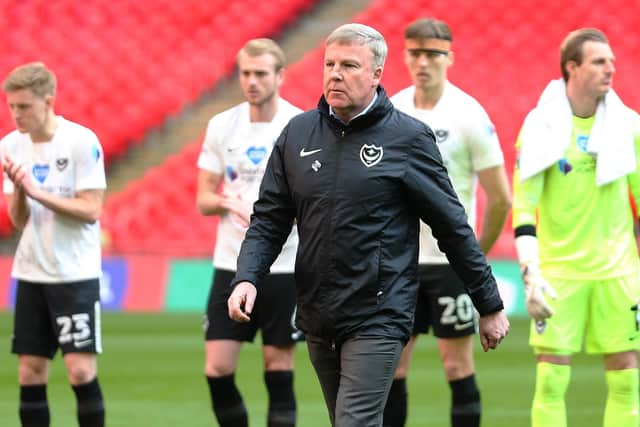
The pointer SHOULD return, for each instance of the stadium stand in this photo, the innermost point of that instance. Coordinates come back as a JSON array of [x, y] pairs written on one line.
[[124, 67], [505, 54]]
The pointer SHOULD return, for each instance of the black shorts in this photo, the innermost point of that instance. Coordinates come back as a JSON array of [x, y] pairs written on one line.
[[273, 312], [64, 315], [443, 304]]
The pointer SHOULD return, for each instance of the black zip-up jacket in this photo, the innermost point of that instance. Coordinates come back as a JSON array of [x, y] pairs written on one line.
[[357, 192]]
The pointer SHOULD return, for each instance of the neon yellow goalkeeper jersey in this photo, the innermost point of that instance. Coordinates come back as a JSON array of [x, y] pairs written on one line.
[[584, 231]]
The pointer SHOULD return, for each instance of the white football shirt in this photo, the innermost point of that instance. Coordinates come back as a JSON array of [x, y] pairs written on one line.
[[468, 143], [56, 248], [239, 150]]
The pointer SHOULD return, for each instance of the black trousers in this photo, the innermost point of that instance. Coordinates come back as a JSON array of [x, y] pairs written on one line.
[[355, 377]]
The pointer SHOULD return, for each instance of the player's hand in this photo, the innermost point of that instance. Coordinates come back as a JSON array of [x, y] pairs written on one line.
[[19, 176], [537, 288], [239, 210], [493, 328], [241, 301]]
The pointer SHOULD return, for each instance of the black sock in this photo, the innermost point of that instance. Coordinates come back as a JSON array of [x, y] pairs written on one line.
[[227, 402], [282, 401], [34, 407], [465, 402], [90, 404], [395, 412]]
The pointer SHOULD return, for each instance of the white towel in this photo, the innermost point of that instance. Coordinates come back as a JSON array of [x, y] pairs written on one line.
[[546, 134]]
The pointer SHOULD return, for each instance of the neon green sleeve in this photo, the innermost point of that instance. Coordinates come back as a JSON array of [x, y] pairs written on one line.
[[634, 178], [526, 195]]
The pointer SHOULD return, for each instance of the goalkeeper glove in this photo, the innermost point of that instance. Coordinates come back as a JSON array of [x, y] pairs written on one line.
[[536, 288], [535, 285]]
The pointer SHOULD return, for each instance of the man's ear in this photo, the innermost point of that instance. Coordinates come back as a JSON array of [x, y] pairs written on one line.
[[49, 100], [377, 75]]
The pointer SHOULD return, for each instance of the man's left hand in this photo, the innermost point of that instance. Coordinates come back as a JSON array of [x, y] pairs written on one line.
[[493, 328]]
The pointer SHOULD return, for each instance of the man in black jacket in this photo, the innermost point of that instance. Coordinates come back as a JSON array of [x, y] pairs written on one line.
[[358, 175]]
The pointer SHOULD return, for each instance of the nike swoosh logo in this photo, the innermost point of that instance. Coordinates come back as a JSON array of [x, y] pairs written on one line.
[[308, 153], [461, 326], [84, 343]]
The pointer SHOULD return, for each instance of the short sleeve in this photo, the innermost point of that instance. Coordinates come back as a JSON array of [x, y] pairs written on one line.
[[483, 142], [211, 156], [89, 162]]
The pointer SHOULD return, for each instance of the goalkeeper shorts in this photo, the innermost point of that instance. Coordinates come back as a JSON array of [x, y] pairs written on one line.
[[597, 313]]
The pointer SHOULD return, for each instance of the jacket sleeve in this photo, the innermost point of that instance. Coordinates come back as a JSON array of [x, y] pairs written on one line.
[[271, 221], [432, 194]]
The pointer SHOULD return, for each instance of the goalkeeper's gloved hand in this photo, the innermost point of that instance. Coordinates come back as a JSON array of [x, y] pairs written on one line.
[[536, 288]]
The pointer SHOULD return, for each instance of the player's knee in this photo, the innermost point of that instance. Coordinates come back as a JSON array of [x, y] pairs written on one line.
[[32, 371], [278, 358], [215, 370], [81, 373], [552, 380], [456, 368], [623, 382]]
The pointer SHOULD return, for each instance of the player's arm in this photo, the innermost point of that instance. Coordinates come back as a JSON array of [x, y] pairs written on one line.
[[487, 161], [634, 178], [208, 199], [85, 206], [18, 208], [495, 184], [526, 196]]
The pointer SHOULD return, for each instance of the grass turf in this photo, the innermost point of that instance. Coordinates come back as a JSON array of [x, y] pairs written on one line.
[[151, 375]]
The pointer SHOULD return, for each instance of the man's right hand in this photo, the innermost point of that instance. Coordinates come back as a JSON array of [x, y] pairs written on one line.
[[536, 287], [241, 302]]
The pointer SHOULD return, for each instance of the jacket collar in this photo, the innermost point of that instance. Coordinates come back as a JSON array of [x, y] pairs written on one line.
[[380, 108]]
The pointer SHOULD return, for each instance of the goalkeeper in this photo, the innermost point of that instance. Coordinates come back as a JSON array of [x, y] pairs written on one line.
[[577, 164]]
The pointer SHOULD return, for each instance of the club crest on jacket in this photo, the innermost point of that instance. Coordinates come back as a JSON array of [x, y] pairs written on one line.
[[370, 155]]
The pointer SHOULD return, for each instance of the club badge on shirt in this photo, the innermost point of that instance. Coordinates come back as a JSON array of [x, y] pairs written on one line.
[[61, 164]]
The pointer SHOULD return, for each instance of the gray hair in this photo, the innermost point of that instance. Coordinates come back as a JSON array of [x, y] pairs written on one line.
[[361, 34]]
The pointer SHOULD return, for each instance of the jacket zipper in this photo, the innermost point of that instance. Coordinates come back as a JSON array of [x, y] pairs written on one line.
[[333, 201]]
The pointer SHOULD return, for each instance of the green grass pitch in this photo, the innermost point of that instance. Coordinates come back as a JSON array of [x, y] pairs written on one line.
[[151, 374]]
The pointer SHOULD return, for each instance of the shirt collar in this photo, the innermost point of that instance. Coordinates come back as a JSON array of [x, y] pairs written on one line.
[[362, 113]]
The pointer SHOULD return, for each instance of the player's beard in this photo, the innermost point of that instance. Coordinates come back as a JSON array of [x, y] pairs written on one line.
[[263, 100]]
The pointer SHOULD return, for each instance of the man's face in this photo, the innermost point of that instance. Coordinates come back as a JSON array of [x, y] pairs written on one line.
[[259, 79], [28, 111], [427, 61], [350, 79], [594, 76]]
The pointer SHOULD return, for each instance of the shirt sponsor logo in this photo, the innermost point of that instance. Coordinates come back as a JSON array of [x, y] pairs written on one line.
[[370, 155], [40, 172], [256, 154], [231, 173], [316, 165], [564, 166]]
